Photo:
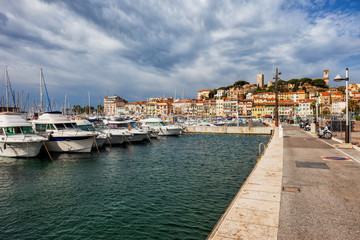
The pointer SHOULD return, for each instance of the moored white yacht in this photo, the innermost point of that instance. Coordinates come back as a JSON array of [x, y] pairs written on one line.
[[137, 134], [159, 126], [17, 137], [63, 133], [86, 126], [114, 136]]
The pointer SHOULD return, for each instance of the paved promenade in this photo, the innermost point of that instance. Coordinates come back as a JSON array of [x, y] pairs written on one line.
[[296, 193], [328, 204], [254, 212]]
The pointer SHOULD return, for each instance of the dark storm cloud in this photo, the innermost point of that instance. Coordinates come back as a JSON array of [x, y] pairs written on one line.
[[3, 19]]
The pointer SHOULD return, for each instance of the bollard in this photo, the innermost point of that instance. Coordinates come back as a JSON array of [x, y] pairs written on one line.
[[280, 131]]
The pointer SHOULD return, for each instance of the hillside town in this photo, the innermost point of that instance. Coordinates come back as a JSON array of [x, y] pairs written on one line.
[[296, 97]]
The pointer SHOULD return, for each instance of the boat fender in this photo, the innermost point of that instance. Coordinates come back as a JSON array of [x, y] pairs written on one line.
[[4, 145]]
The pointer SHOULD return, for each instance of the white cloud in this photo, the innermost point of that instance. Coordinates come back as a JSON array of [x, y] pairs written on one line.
[[145, 48]]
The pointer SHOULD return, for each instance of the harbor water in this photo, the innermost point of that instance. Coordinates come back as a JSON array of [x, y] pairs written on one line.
[[170, 188]]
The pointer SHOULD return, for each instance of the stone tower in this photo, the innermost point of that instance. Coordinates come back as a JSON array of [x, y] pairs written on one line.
[[260, 80], [326, 77]]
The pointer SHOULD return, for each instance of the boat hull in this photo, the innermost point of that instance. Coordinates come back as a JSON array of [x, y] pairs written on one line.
[[116, 139], [99, 142], [138, 137], [23, 149], [167, 131], [70, 145]]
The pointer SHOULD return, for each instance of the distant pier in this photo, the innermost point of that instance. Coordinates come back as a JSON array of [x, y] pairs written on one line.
[[230, 130]]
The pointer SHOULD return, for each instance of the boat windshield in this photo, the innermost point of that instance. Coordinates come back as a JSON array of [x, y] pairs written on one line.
[[84, 128], [12, 130], [60, 126], [87, 128], [27, 130], [70, 125], [18, 130], [90, 127], [133, 124], [154, 124]]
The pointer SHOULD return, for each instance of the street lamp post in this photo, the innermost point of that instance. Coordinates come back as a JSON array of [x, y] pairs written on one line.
[[276, 99], [338, 78]]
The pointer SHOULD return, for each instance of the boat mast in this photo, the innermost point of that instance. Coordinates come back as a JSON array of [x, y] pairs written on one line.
[[7, 90], [89, 103], [64, 111], [41, 92]]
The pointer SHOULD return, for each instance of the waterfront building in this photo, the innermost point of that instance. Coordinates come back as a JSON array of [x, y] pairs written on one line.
[[235, 93], [138, 108], [220, 93], [249, 88], [220, 107], [111, 103], [354, 87], [338, 106], [258, 110], [260, 80], [266, 109], [164, 108], [199, 108], [151, 109], [179, 107], [304, 109], [335, 96], [245, 108], [298, 96], [210, 108], [325, 102], [324, 98], [285, 96], [203, 94]]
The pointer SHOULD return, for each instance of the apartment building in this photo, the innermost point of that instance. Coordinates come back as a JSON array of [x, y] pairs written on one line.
[[112, 105], [338, 106], [203, 94], [304, 109]]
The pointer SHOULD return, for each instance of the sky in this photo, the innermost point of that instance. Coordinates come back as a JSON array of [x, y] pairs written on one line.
[[139, 49]]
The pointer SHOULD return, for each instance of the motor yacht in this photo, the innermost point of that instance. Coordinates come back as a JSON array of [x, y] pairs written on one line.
[[114, 136], [17, 137], [63, 133], [137, 134], [160, 126], [86, 126]]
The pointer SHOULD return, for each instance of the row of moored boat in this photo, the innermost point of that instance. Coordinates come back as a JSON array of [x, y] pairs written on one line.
[[58, 133]]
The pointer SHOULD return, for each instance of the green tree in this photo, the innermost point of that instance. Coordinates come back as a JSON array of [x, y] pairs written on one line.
[[212, 93], [100, 109], [294, 81], [305, 81], [271, 88], [313, 107], [319, 83], [352, 105], [240, 83], [77, 109]]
